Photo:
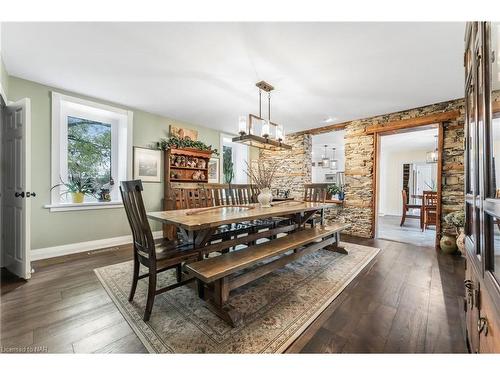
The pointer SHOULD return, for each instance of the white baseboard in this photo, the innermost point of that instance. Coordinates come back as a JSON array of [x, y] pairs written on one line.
[[79, 247]]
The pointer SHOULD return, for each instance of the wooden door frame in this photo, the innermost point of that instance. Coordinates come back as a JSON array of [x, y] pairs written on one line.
[[407, 126]]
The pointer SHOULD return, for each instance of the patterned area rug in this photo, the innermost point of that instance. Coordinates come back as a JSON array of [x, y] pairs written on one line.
[[277, 308]]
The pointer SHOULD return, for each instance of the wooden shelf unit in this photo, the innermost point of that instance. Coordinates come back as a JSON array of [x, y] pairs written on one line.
[[184, 176], [184, 173]]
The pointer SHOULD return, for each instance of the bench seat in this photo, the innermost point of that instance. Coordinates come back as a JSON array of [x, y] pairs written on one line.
[[212, 269]]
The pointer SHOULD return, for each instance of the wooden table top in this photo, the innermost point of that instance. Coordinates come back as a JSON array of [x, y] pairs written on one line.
[[227, 215]]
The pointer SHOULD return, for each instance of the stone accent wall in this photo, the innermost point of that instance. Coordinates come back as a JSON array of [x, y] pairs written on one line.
[[295, 165], [359, 165]]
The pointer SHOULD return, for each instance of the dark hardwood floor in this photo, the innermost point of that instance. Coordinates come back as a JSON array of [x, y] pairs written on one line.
[[408, 300]]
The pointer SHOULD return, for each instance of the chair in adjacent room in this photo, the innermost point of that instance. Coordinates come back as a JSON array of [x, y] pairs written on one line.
[[429, 206], [406, 207]]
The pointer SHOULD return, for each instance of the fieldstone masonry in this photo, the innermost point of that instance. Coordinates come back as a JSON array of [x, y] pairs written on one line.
[[295, 165]]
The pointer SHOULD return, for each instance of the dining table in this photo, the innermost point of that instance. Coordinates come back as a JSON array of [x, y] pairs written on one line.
[[198, 227]]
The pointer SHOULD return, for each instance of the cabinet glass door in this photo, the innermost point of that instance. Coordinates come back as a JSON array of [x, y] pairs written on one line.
[[492, 261]]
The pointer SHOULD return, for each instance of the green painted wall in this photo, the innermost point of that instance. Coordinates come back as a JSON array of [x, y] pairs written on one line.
[[59, 228], [4, 78]]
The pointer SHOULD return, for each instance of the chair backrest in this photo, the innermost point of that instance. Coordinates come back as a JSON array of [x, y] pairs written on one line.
[[430, 198], [209, 195], [243, 194], [315, 192], [144, 244], [190, 198]]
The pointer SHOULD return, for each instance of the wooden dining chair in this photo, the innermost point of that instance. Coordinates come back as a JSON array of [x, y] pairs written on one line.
[[315, 192], [429, 207], [407, 207], [156, 257]]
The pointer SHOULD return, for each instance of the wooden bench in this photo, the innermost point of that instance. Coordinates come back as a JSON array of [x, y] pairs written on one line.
[[219, 272]]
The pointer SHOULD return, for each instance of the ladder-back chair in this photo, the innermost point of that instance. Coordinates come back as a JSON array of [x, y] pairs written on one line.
[[156, 257]]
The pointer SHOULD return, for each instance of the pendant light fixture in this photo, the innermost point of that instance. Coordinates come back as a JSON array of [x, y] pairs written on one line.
[[432, 156], [258, 131], [333, 161], [325, 161]]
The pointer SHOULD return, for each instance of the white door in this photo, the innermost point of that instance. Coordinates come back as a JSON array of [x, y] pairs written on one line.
[[17, 188]]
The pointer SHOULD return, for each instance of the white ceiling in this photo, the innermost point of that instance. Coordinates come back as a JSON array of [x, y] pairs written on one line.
[[411, 141], [204, 73]]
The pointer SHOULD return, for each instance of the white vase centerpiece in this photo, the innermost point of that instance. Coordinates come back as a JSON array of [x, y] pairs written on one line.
[[261, 174], [265, 197]]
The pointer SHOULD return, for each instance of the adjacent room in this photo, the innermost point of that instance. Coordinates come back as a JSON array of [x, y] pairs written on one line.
[[407, 171], [250, 187]]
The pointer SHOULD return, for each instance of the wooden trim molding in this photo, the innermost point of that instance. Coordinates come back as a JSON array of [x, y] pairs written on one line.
[[79, 247], [413, 122], [374, 203], [324, 129], [439, 182]]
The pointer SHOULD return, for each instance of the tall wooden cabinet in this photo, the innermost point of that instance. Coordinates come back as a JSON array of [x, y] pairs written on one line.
[[482, 186]]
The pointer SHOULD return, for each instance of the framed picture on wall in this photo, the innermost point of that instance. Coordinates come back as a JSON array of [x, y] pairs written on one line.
[[147, 164], [213, 171]]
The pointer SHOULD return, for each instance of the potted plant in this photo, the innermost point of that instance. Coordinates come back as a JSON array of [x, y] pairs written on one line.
[[177, 142], [262, 176], [336, 190], [78, 186], [457, 220]]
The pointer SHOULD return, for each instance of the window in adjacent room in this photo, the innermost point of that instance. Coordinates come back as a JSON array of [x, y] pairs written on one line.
[[91, 144], [234, 161]]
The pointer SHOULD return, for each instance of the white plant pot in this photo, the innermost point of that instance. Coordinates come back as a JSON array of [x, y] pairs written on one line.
[[265, 197]]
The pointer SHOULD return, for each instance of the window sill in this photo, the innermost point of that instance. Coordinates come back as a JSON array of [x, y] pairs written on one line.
[[83, 206]]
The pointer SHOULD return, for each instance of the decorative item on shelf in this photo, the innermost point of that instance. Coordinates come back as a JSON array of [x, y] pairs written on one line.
[[78, 186], [262, 176], [183, 133], [184, 143], [191, 162], [198, 175], [174, 175], [201, 163], [147, 164], [457, 220], [104, 195], [271, 135]]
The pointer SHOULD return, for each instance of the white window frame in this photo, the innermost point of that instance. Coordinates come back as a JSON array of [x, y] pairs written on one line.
[[239, 158], [121, 144]]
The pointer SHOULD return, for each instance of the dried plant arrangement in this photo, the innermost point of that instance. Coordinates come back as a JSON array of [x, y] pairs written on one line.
[[263, 175]]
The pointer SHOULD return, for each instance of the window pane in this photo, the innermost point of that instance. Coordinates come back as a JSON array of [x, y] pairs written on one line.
[[227, 164], [89, 149]]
